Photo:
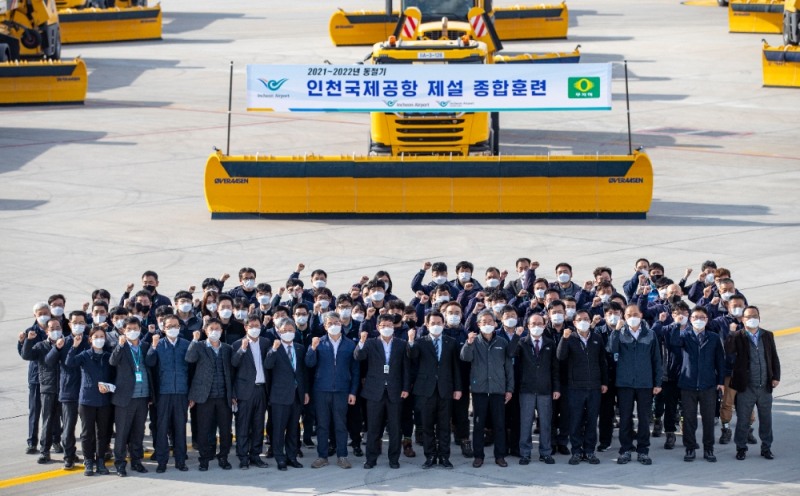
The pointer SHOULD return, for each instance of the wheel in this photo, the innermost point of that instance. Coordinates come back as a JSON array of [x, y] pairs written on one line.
[[31, 39], [57, 44], [494, 135], [5, 53], [722, 3]]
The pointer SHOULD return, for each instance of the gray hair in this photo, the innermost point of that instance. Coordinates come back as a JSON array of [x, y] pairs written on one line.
[[40, 305], [330, 316], [284, 321], [485, 312]]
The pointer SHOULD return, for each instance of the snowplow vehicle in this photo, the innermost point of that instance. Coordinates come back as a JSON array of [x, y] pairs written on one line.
[[99, 21], [755, 16], [31, 69], [781, 64], [535, 22]]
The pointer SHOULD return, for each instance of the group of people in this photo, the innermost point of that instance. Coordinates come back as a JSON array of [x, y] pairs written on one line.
[[568, 360]]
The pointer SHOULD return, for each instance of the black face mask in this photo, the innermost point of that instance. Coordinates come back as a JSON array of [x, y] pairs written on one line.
[[674, 299], [656, 277], [150, 288], [411, 323], [397, 318], [145, 309]]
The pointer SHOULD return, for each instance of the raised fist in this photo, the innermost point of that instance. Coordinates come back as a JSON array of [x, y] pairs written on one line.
[[715, 300], [478, 307], [267, 319], [412, 334], [31, 334], [522, 293], [156, 339], [300, 267], [620, 324], [688, 272], [662, 316], [370, 312], [196, 335], [129, 287], [245, 342], [225, 277], [77, 340], [588, 285], [520, 330], [363, 280], [642, 279], [60, 343], [567, 332], [364, 336], [503, 275], [468, 286], [596, 320], [314, 343], [534, 265], [151, 328], [85, 306], [22, 336], [419, 294], [597, 301], [122, 340], [733, 327], [707, 291], [471, 337], [424, 299], [276, 344], [426, 266], [192, 288]]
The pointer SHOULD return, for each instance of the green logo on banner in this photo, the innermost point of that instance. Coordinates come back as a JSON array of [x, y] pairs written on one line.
[[584, 87]]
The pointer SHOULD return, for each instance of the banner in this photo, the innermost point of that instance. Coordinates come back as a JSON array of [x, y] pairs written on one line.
[[428, 87]]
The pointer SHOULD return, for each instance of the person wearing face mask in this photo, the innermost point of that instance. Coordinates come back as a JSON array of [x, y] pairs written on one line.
[[666, 403], [756, 373], [570, 307], [491, 384], [608, 401], [507, 331], [493, 300], [209, 304], [324, 302], [134, 389], [99, 314], [555, 328], [534, 302], [351, 314], [539, 383], [150, 286], [704, 280], [521, 287], [232, 329], [185, 312], [387, 383], [701, 376], [288, 392], [247, 286], [250, 393], [45, 353], [94, 402], [641, 270], [724, 325], [438, 276], [466, 285], [266, 303], [57, 304], [336, 379], [211, 393], [717, 304], [167, 357], [563, 282], [637, 351], [438, 382], [304, 334], [319, 280], [41, 315], [602, 296], [587, 380], [460, 408], [116, 326]]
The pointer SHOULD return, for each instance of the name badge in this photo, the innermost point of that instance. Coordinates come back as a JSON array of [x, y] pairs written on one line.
[[385, 369], [138, 376]]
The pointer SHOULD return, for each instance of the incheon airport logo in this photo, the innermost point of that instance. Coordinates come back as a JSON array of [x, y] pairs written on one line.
[[273, 84]]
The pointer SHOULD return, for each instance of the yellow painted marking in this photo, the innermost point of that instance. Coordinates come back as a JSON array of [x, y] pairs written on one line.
[[786, 332], [701, 3]]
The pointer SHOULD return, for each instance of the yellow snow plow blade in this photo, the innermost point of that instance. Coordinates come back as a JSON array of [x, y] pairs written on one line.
[[755, 16], [361, 28], [42, 82], [617, 186], [781, 65], [572, 57], [539, 22], [114, 24]]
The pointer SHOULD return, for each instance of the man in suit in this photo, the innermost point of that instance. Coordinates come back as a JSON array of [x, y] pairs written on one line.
[[388, 381], [336, 379], [756, 373], [539, 384], [286, 363], [211, 392], [250, 391], [435, 358], [134, 390]]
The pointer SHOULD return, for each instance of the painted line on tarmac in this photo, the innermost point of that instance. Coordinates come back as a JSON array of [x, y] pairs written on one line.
[[53, 474]]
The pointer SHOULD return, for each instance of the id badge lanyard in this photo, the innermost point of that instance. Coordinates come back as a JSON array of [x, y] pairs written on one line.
[[136, 361]]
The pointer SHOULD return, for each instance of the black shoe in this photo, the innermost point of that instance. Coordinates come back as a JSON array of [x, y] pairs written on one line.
[[69, 463], [294, 464], [751, 439], [308, 443], [741, 454], [282, 466], [644, 459], [299, 453], [575, 459], [428, 463], [466, 449], [121, 472], [162, 467], [394, 464], [658, 428], [182, 467], [258, 462], [43, 458], [563, 449], [203, 466], [547, 459], [708, 455], [101, 469], [602, 448], [368, 465], [31, 450], [270, 454], [224, 463], [88, 469], [108, 457], [624, 458], [670, 442], [57, 448], [357, 451], [524, 460], [767, 453], [689, 456], [725, 435], [138, 467], [444, 462], [592, 459], [244, 465]]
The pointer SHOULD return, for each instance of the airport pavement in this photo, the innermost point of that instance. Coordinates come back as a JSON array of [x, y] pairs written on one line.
[[91, 196]]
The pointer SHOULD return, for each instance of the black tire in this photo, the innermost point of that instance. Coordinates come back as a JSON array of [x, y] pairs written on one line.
[[722, 3], [5, 53], [494, 135], [31, 39]]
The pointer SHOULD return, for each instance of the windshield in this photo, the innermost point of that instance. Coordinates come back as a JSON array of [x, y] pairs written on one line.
[[436, 9]]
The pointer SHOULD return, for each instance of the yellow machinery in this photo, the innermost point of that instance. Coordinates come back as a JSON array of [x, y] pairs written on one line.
[[781, 64], [511, 23], [30, 51], [755, 16], [97, 21]]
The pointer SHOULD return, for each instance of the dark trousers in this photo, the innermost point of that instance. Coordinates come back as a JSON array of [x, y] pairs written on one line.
[[707, 399], [644, 406], [482, 406], [69, 419], [379, 414], [672, 396], [97, 423], [584, 408], [355, 423], [212, 416], [50, 420], [745, 402], [286, 430], [435, 412], [560, 424], [607, 403], [512, 423], [331, 408], [309, 421], [172, 410], [461, 417], [34, 413], [250, 424], [129, 422], [407, 417]]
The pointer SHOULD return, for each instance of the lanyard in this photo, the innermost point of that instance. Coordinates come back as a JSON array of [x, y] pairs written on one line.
[[136, 357]]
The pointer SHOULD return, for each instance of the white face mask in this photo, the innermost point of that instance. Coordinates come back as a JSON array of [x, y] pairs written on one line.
[[612, 320], [464, 276], [215, 335], [185, 307], [249, 283], [324, 304], [582, 326], [119, 323], [435, 330], [212, 307], [99, 318], [682, 320], [173, 332], [54, 335], [57, 311], [710, 278], [358, 317], [498, 307], [386, 331], [662, 293], [319, 284], [386, 285], [264, 299], [287, 337], [487, 329], [302, 319], [737, 311], [226, 313], [699, 324], [727, 296], [378, 296], [345, 313], [241, 314], [493, 283], [335, 330], [571, 312], [453, 319], [564, 277], [78, 329], [254, 332], [633, 321], [752, 323], [42, 320], [442, 299], [98, 343], [440, 279], [605, 298], [510, 322], [537, 330], [539, 293], [132, 335], [557, 318]]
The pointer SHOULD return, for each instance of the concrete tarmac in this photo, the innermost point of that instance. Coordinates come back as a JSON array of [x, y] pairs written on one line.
[[93, 195]]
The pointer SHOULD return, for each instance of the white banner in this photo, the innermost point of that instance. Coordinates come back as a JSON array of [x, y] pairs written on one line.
[[428, 87]]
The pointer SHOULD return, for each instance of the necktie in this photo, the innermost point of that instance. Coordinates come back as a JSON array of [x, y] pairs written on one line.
[[291, 356], [536, 346], [438, 349]]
